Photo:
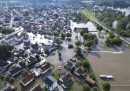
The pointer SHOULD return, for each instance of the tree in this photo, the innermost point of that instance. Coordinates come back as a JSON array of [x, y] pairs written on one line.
[[7, 30], [11, 80], [100, 28], [95, 89], [86, 88], [106, 86], [116, 41], [4, 52], [1, 77], [59, 54], [63, 35], [23, 64], [85, 64], [78, 43], [7, 78], [88, 43], [58, 41], [68, 34], [108, 42], [56, 34], [83, 32], [87, 36]]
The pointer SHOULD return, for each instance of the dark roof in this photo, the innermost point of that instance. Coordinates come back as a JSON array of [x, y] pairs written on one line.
[[27, 79], [49, 80], [32, 59], [45, 67], [66, 77], [3, 64], [16, 18], [35, 46], [67, 83], [15, 71], [37, 88], [26, 37], [27, 43], [70, 65], [80, 71]]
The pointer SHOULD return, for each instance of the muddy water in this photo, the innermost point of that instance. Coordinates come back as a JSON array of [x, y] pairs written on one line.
[[112, 64]]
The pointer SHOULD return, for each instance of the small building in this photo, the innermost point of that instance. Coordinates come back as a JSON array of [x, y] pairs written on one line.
[[36, 88], [35, 48], [27, 80], [15, 71], [80, 73], [51, 83], [40, 63], [66, 80], [3, 64], [70, 65], [27, 45], [32, 59], [45, 68]]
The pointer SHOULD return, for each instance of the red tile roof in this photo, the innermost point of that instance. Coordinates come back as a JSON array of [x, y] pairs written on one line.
[[45, 67], [27, 79], [66, 77]]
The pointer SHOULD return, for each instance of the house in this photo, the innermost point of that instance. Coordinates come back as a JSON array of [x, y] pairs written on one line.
[[28, 79], [50, 48], [35, 48], [40, 63], [3, 64], [32, 59], [26, 38], [45, 68], [70, 65], [51, 83], [90, 80], [36, 88], [18, 39], [27, 45], [66, 80], [80, 73], [15, 71]]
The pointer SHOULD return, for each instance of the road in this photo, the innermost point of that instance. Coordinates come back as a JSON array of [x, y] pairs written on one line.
[[117, 35]]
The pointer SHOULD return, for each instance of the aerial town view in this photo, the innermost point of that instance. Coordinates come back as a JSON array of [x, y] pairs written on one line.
[[64, 45]]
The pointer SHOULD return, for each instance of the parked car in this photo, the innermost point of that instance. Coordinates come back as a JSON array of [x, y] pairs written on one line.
[[108, 77], [70, 46]]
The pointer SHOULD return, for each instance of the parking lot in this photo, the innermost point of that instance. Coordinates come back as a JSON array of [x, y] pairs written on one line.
[[112, 64]]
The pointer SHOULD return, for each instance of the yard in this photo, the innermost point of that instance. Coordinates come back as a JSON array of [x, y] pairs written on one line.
[[2, 84], [57, 74]]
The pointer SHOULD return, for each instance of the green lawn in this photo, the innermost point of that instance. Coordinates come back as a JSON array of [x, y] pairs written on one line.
[[44, 89], [2, 84], [57, 74]]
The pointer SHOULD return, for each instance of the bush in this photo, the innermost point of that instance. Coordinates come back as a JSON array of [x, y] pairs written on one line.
[[85, 64], [86, 88], [78, 43], [88, 43], [106, 86], [11, 80], [95, 89], [5, 52], [68, 34]]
